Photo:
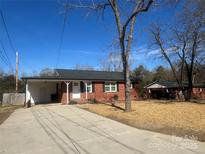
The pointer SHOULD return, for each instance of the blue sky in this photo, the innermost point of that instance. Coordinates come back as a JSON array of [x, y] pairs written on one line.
[[35, 28]]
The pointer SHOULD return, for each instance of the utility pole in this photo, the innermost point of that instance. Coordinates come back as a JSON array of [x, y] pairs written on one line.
[[17, 62]]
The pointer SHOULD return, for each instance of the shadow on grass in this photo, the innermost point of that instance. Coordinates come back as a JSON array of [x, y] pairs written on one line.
[[113, 105]]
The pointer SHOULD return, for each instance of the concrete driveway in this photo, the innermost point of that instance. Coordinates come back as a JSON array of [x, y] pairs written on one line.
[[62, 129]]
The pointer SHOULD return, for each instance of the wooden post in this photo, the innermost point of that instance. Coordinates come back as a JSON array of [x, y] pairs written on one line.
[[17, 61]]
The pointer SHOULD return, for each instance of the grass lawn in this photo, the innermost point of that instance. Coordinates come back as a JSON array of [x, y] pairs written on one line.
[[174, 118], [5, 111]]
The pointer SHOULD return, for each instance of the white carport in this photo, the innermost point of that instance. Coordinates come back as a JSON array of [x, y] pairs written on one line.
[[40, 91]]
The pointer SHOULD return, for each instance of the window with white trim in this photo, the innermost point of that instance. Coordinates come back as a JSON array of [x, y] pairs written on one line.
[[89, 87], [110, 87]]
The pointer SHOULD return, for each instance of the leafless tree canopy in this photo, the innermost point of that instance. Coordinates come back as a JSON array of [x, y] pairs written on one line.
[[46, 72], [112, 62], [186, 41], [83, 67]]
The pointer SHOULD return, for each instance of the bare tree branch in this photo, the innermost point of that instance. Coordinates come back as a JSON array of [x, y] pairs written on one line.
[[156, 32], [139, 8]]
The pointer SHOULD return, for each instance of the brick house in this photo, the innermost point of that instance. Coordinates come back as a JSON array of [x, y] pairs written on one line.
[[64, 85], [163, 89]]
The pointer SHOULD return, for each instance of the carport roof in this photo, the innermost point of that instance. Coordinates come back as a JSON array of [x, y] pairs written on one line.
[[69, 74]]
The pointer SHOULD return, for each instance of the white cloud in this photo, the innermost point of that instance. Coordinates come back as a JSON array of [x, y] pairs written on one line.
[[154, 52], [84, 52]]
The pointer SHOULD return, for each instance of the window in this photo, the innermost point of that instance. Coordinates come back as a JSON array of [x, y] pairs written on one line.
[[107, 87], [110, 87], [89, 87]]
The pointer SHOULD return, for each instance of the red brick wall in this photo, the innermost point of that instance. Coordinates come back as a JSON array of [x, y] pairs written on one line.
[[98, 93], [134, 92], [199, 93]]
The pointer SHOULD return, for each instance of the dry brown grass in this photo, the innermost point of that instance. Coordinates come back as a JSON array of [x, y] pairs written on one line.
[[175, 118]]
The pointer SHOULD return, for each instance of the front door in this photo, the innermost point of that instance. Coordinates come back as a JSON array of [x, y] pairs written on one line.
[[76, 89]]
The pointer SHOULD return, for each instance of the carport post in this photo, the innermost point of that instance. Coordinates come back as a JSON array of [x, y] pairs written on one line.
[[26, 93], [67, 84], [86, 90]]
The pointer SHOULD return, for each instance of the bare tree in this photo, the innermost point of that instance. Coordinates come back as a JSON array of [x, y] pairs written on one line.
[[34, 73], [199, 75], [125, 27], [47, 72], [112, 62], [190, 38], [187, 42], [83, 67], [156, 32]]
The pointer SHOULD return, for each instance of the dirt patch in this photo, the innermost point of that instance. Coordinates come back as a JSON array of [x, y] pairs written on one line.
[[6, 111], [174, 118]]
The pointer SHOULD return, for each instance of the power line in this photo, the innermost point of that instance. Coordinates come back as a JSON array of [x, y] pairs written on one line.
[[61, 37], [6, 57], [4, 60], [7, 32], [9, 37]]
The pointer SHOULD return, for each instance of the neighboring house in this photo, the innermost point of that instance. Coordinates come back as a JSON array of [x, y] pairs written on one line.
[[64, 85], [163, 89]]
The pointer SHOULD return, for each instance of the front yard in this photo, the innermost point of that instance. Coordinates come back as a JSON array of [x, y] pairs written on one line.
[[5, 111], [174, 118]]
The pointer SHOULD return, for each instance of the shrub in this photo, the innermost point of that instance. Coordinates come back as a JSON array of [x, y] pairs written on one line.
[[72, 102], [93, 101], [115, 100], [115, 97]]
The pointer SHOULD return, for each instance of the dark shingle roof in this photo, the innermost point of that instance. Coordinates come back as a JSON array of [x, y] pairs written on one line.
[[68, 74], [87, 75]]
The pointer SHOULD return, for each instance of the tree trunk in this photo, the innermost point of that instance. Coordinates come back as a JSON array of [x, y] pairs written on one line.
[[122, 31], [128, 106], [190, 72], [189, 77], [189, 92], [182, 67]]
